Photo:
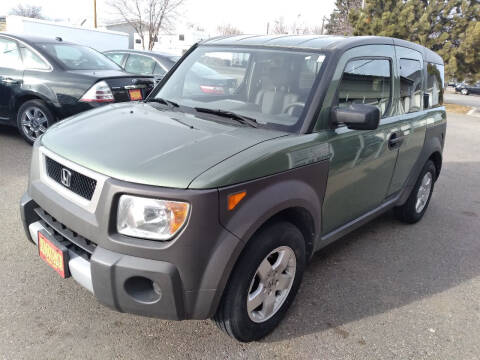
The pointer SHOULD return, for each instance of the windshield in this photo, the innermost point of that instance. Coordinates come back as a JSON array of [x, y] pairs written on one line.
[[270, 86], [78, 57]]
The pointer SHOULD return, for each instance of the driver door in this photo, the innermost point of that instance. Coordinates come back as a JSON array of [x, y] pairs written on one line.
[[362, 161]]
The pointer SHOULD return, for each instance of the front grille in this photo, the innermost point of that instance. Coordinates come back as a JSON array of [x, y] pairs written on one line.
[[79, 184], [64, 235]]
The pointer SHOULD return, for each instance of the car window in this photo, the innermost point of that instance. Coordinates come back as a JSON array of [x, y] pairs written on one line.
[[434, 90], [139, 64], [270, 85], [32, 61], [366, 81], [78, 57], [410, 85], [9, 54], [159, 71], [116, 57]]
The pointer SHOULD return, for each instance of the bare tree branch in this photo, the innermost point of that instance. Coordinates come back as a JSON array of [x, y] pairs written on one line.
[[228, 29], [148, 17], [31, 11]]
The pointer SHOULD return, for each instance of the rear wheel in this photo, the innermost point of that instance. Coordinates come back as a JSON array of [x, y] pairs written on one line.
[[33, 119], [417, 203], [263, 284]]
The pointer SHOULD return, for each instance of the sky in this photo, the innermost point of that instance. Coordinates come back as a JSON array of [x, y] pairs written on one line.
[[250, 16]]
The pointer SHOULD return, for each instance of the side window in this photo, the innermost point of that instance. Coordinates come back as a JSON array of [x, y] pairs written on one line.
[[32, 61], [434, 90], [138, 64], [159, 70], [366, 81], [410, 85], [9, 54], [116, 57]]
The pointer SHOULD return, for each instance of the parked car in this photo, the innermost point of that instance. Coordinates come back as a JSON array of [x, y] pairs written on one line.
[[143, 62], [211, 205], [466, 89], [202, 78], [45, 80]]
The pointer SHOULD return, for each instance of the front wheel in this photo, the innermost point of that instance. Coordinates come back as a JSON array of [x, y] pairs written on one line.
[[33, 119], [264, 283], [417, 203], [464, 91]]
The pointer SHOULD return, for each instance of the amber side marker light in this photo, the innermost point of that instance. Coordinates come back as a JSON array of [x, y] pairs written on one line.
[[234, 199]]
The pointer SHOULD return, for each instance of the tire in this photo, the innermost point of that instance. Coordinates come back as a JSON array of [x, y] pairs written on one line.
[[417, 203], [233, 315], [33, 119], [464, 91]]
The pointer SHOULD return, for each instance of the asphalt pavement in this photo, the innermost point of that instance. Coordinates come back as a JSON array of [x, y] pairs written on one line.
[[386, 291], [465, 100]]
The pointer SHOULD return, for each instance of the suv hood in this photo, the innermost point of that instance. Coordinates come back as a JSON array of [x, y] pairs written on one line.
[[148, 144]]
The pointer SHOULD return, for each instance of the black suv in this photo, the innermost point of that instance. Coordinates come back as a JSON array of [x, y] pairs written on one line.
[[46, 80]]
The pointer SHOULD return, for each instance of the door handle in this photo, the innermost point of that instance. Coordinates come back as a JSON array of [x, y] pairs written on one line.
[[8, 80], [395, 140]]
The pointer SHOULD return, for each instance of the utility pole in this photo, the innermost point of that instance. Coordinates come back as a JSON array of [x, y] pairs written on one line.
[[95, 13]]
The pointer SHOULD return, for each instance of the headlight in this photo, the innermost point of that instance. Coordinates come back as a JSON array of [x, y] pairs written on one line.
[[150, 218]]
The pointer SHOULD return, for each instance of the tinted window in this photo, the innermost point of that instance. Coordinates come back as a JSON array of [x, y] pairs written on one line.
[[77, 57], [116, 57], [138, 64], [32, 60], [366, 81], [434, 88], [410, 85], [9, 54]]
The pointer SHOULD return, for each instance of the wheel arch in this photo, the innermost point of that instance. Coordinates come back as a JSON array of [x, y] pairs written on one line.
[[436, 158], [30, 96]]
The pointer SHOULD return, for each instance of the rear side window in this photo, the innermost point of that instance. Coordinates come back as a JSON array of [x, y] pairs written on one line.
[[366, 81], [410, 85], [434, 90], [32, 61], [116, 57], [9, 54], [138, 64]]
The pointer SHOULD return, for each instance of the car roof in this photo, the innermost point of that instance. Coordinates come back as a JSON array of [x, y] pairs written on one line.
[[35, 39], [327, 43], [143, 52]]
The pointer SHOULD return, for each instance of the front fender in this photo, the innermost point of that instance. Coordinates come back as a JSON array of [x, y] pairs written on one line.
[[302, 187]]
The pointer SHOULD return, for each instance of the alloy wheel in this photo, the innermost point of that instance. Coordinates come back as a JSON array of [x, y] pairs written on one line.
[[34, 122], [424, 192], [271, 284]]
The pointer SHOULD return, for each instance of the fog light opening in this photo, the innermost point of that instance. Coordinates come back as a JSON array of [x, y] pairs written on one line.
[[143, 290]]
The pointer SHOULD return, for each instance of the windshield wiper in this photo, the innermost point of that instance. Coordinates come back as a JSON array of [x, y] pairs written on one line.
[[169, 103], [230, 114]]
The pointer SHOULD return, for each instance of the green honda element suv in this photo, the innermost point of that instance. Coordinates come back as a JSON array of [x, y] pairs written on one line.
[[208, 199]]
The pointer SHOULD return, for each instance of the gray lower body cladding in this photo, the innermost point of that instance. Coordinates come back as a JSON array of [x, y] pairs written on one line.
[[191, 271]]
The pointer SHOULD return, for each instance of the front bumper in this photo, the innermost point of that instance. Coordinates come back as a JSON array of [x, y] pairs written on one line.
[[182, 279], [125, 283]]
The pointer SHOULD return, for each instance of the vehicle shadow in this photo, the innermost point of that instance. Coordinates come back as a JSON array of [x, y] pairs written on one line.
[[386, 264]]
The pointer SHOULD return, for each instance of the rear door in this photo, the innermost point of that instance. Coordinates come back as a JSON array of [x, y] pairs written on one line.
[[412, 120], [11, 75]]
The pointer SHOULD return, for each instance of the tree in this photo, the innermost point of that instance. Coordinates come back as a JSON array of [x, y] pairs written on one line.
[[228, 29], [31, 11], [279, 26], [449, 27], [147, 17], [339, 23]]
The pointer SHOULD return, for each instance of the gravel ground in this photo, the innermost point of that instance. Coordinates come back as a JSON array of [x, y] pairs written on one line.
[[386, 291]]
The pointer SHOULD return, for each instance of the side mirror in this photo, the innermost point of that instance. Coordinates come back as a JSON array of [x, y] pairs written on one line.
[[357, 116]]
